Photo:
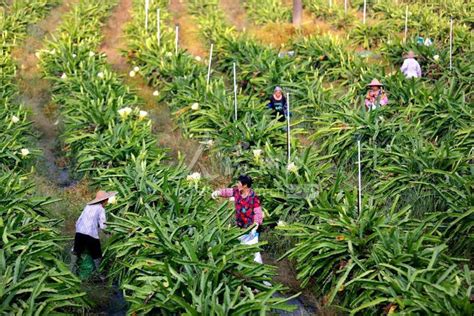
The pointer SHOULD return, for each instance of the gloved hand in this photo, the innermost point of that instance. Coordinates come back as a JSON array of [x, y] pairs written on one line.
[[215, 194]]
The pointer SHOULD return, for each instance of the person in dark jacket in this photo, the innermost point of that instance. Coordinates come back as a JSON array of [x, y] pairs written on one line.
[[277, 103]]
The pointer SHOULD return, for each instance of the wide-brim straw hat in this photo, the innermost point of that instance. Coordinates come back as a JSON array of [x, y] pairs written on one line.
[[101, 196], [375, 83], [410, 54]]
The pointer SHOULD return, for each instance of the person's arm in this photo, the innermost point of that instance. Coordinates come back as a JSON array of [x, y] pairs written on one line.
[[285, 107], [383, 99], [102, 218], [368, 101], [270, 104], [404, 66], [257, 210], [226, 193]]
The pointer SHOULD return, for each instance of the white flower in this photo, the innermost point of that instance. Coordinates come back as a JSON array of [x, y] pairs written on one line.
[[197, 58], [257, 153], [38, 55], [74, 55], [15, 119], [100, 75], [436, 57], [281, 223], [136, 69], [142, 114], [131, 73], [63, 76], [155, 93], [91, 54], [112, 200], [210, 143], [25, 152], [195, 106], [124, 112], [292, 167], [169, 54], [194, 177]]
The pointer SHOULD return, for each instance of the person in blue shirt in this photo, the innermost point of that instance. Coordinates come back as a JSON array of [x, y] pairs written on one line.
[[277, 103]]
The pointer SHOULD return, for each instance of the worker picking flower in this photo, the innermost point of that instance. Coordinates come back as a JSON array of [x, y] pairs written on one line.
[[248, 211]]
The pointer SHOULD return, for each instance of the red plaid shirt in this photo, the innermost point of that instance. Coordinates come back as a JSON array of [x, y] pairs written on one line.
[[247, 210]]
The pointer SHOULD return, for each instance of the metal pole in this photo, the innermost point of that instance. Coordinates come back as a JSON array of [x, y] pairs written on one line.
[[345, 6], [406, 24], [176, 39], [209, 66], [359, 177], [451, 45], [158, 27], [288, 131], [365, 10], [235, 93], [147, 6], [330, 3]]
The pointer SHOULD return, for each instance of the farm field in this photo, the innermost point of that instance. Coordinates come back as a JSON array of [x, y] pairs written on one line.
[[366, 211]]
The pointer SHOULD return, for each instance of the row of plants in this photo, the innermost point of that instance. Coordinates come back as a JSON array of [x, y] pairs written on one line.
[[265, 11], [35, 280], [432, 183], [160, 224]]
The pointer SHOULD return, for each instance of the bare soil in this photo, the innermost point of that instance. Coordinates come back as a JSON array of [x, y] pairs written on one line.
[[189, 35], [235, 13], [35, 94]]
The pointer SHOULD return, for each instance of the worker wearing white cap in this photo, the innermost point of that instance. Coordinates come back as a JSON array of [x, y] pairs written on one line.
[[277, 103]]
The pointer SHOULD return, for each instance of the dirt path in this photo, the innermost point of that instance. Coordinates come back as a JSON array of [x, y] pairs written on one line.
[[168, 133], [235, 13], [189, 35], [35, 94]]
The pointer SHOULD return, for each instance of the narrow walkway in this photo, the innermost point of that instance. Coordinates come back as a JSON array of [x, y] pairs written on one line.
[[168, 133], [189, 34], [235, 13], [35, 94]]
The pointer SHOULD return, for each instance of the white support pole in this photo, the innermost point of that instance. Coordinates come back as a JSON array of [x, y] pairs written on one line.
[[330, 3], [288, 128], [406, 25], [345, 6], [365, 11], [209, 66], [147, 7], [176, 39], [158, 26], [235, 93], [451, 45], [359, 177]]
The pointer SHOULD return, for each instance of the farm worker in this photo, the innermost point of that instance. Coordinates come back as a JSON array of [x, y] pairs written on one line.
[[277, 103], [375, 96], [88, 225], [411, 68], [247, 209]]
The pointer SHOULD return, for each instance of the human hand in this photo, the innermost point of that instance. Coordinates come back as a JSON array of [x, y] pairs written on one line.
[[215, 194]]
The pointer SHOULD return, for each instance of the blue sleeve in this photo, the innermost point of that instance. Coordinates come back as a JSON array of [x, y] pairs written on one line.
[[270, 104]]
